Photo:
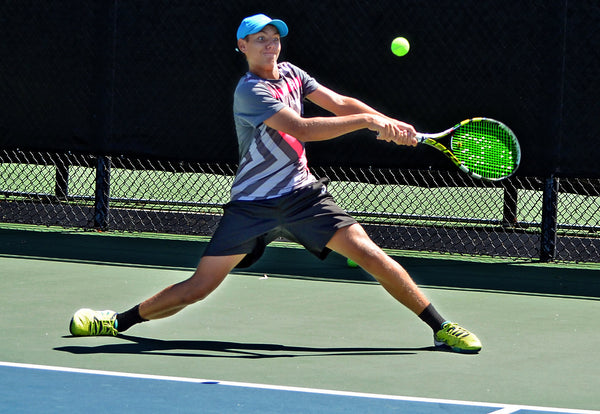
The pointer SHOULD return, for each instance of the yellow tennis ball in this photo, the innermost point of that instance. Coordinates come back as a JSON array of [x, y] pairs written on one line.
[[400, 46]]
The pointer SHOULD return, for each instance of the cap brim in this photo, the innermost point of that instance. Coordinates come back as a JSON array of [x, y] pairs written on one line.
[[280, 25]]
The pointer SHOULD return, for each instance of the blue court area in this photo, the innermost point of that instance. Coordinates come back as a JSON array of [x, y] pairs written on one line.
[[43, 389]]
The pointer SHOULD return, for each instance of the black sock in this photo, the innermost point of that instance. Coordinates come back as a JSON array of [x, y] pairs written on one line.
[[129, 318], [432, 318]]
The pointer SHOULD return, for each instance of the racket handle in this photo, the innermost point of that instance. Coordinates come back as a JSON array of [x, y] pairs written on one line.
[[424, 137], [420, 137]]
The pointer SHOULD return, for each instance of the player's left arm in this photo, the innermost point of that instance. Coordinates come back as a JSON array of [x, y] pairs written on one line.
[[341, 105]]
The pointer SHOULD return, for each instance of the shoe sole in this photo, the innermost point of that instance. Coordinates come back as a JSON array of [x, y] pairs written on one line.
[[442, 346], [71, 326]]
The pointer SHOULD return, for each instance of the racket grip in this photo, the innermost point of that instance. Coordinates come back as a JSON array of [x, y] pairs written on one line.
[[422, 137]]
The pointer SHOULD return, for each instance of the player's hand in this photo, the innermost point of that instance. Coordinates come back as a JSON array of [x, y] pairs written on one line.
[[395, 131]]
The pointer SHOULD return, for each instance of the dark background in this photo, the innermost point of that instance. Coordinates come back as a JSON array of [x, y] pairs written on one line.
[[155, 78]]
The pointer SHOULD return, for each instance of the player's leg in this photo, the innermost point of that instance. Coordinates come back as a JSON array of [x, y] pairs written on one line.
[[243, 233], [354, 243], [209, 274]]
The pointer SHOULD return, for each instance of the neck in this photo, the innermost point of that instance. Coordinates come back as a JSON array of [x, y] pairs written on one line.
[[271, 72]]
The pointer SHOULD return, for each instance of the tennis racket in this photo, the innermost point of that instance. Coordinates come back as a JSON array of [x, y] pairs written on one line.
[[484, 148]]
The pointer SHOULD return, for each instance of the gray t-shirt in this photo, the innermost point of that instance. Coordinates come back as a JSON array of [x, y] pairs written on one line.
[[272, 163]]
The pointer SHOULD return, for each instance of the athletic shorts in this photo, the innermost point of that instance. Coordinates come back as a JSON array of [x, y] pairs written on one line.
[[308, 216]]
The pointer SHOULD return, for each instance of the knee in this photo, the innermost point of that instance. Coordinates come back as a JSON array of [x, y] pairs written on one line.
[[209, 274], [192, 296], [373, 259], [192, 291]]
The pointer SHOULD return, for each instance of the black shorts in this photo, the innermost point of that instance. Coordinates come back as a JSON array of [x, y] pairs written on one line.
[[308, 216]]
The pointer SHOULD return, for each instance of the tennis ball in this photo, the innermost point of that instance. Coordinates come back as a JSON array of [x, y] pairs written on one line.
[[351, 263], [400, 46]]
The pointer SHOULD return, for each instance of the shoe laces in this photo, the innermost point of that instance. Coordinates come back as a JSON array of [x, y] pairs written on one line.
[[455, 330], [102, 326]]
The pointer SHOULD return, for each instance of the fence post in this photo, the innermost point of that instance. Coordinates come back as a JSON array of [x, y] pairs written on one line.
[[103, 103], [61, 186], [549, 219], [102, 193], [509, 214]]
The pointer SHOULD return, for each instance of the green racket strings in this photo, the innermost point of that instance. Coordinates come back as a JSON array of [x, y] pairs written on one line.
[[486, 149]]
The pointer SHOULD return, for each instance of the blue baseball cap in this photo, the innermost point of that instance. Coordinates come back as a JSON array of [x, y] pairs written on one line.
[[256, 23]]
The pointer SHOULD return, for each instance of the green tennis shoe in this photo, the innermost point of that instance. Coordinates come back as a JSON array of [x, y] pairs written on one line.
[[87, 322], [454, 337]]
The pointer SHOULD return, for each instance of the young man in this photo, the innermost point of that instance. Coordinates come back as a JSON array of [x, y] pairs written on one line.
[[274, 194]]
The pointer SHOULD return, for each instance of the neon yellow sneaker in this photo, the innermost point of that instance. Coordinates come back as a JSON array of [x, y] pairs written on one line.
[[87, 322], [454, 337]]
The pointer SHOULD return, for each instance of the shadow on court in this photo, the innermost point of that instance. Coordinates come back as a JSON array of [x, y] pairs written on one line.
[[446, 273], [219, 349]]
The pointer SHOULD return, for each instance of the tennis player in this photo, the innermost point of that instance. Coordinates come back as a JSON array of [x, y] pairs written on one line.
[[274, 193]]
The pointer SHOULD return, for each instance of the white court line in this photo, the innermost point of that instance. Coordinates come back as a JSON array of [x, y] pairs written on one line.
[[506, 410], [500, 408]]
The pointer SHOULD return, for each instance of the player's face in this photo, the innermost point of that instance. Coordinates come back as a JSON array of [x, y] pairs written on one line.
[[262, 49]]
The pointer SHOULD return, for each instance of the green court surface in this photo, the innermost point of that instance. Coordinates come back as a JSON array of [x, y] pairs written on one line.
[[294, 321]]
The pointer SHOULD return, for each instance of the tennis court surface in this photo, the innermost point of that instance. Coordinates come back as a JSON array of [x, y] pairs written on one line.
[[289, 335]]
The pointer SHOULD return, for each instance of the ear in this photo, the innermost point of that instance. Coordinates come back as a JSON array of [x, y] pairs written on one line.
[[241, 45]]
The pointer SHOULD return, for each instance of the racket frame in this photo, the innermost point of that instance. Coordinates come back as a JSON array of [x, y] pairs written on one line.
[[431, 140]]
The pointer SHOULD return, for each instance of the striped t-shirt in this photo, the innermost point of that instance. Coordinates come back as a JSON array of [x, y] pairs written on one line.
[[272, 163]]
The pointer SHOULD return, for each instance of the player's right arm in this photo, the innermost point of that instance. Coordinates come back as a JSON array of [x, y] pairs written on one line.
[[325, 128], [345, 105], [318, 128]]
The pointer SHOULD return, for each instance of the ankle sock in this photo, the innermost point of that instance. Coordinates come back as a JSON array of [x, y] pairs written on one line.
[[432, 318], [129, 318]]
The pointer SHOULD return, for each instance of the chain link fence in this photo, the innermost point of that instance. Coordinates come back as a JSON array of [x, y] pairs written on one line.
[[522, 217]]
